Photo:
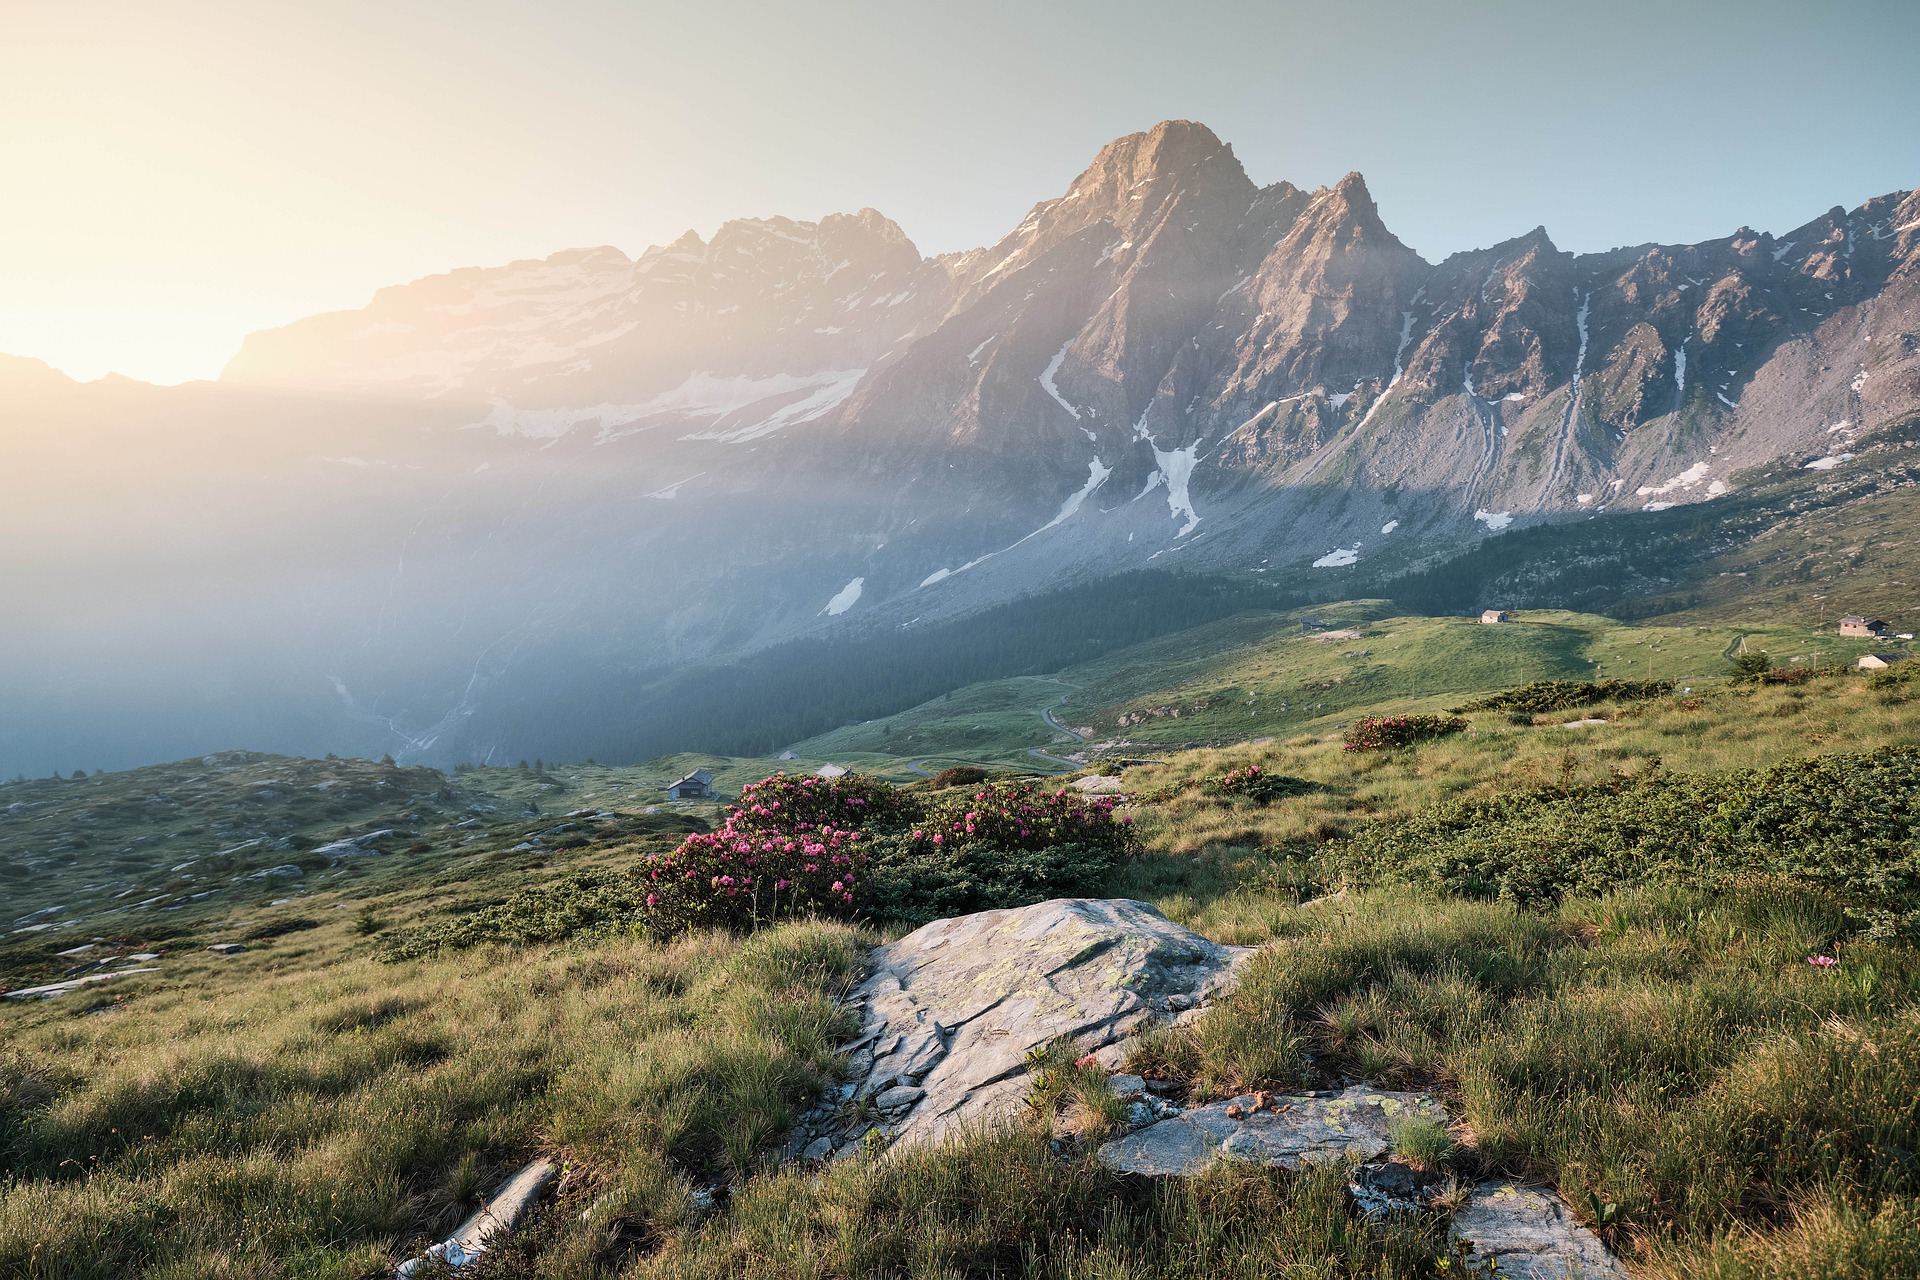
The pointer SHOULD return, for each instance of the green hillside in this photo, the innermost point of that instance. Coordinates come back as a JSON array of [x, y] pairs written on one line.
[[1262, 675]]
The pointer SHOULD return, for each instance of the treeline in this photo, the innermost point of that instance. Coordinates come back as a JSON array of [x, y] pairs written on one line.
[[803, 687]]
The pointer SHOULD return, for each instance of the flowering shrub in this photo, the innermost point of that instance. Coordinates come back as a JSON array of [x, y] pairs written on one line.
[[1002, 846], [1381, 733], [791, 844], [1023, 816], [1255, 784]]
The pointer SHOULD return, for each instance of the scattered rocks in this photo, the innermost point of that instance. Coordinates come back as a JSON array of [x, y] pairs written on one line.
[[285, 871], [1391, 1187], [33, 916], [951, 1012], [1529, 1234], [338, 851], [227, 948], [1285, 1132], [1098, 785], [49, 990], [502, 1213]]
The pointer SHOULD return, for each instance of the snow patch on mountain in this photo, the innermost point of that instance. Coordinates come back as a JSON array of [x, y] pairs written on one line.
[[1691, 478], [1097, 473], [551, 424], [843, 599], [1046, 378], [1339, 558], [1177, 466], [1494, 520], [673, 490], [744, 397]]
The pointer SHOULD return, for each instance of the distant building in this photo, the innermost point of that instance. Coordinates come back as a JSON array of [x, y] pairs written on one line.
[[697, 785], [1492, 616], [1311, 623], [1880, 661], [1851, 626]]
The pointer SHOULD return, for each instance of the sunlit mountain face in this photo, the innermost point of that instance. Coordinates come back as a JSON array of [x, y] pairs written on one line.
[[422, 526]]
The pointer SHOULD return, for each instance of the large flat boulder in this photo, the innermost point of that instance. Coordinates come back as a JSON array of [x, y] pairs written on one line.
[[1286, 1132], [1529, 1233], [951, 1012]]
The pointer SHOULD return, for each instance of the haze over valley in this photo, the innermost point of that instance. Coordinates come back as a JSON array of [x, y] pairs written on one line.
[[582, 481]]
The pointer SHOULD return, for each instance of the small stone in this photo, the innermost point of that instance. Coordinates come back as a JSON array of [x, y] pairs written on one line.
[[227, 948], [1236, 1112], [1126, 1086], [899, 1098], [818, 1149]]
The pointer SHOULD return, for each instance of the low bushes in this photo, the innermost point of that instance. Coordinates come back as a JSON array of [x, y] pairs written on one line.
[[1848, 825], [1382, 733], [1544, 696], [851, 847], [1255, 784]]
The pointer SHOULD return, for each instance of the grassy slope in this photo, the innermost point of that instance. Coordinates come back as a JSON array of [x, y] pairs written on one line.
[[303, 1110], [1258, 675]]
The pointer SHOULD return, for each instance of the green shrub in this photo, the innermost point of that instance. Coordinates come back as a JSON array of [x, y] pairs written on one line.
[[960, 775], [1543, 696], [1847, 825], [912, 882], [1255, 784]]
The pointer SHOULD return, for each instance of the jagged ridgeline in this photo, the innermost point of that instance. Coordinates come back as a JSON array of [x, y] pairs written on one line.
[[584, 472]]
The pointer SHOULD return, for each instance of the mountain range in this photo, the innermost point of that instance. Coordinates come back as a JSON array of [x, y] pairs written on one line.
[[378, 528]]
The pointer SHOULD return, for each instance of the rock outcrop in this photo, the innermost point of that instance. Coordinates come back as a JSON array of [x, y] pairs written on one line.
[[955, 1014], [1528, 1233], [953, 1010], [1279, 1132]]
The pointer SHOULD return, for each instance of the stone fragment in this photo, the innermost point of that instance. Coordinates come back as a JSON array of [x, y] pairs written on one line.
[[899, 1097], [502, 1213], [227, 948], [1306, 1129], [1529, 1234], [818, 1149]]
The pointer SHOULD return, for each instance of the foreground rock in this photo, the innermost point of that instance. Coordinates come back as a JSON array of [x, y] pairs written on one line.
[[500, 1214], [953, 1009], [1530, 1235], [1280, 1132]]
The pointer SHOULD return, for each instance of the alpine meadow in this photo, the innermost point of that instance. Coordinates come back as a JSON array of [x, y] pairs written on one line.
[[1166, 732]]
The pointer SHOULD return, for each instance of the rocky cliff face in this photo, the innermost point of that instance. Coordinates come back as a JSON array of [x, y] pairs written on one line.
[[636, 461]]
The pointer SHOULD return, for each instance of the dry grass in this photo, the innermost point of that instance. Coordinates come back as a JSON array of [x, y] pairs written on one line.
[[1716, 727], [312, 1123]]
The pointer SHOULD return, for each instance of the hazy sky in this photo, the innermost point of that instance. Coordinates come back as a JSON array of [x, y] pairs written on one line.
[[176, 173]]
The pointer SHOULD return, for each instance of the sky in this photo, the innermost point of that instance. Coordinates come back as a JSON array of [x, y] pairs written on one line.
[[175, 174]]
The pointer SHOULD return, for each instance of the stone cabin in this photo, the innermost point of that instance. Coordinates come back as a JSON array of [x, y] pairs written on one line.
[[1492, 616], [1879, 661], [1852, 626], [697, 785]]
